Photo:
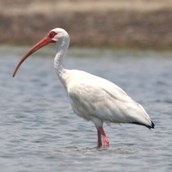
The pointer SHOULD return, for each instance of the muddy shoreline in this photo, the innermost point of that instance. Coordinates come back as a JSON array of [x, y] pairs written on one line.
[[109, 28]]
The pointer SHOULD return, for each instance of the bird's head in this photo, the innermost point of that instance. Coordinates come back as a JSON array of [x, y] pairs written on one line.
[[53, 36]]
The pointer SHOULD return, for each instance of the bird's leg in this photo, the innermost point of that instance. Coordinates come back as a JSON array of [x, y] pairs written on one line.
[[99, 140], [101, 134]]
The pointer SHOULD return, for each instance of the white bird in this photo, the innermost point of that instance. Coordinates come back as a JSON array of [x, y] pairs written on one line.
[[92, 98]]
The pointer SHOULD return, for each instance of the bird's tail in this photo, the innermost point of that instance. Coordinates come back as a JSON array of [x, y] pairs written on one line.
[[148, 126]]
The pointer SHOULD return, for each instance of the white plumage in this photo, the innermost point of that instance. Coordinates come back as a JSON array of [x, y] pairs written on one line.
[[92, 98]]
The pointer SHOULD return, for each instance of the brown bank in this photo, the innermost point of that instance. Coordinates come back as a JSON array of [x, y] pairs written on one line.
[[121, 24]]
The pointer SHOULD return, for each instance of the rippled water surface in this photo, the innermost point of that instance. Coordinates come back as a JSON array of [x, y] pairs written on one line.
[[40, 133]]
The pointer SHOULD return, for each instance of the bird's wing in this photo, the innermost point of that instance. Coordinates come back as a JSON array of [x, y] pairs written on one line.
[[96, 97], [112, 106]]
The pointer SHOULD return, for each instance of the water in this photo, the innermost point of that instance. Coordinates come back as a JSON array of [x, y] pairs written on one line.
[[40, 133]]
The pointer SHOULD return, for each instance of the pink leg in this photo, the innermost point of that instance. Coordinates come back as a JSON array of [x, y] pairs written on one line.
[[101, 134], [99, 141]]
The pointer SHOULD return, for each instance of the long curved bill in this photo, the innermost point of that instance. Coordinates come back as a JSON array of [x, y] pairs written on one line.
[[46, 40]]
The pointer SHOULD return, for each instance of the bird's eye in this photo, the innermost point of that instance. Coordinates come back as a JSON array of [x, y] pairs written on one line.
[[52, 34]]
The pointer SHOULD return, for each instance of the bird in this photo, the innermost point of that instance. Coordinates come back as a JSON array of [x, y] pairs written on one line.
[[92, 98]]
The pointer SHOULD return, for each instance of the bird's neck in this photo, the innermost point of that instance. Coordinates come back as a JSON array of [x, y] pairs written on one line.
[[62, 46]]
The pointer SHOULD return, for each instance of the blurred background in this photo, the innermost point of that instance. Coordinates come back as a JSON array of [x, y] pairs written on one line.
[[99, 23]]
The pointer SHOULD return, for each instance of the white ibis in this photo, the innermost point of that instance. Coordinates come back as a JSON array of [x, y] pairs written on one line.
[[92, 98]]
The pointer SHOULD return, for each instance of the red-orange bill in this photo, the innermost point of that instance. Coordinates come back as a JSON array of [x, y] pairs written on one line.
[[46, 40]]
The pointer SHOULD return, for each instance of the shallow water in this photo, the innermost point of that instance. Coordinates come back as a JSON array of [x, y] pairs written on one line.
[[40, 133]]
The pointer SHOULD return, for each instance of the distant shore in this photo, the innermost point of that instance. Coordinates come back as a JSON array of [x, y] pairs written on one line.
[[120, 27]]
